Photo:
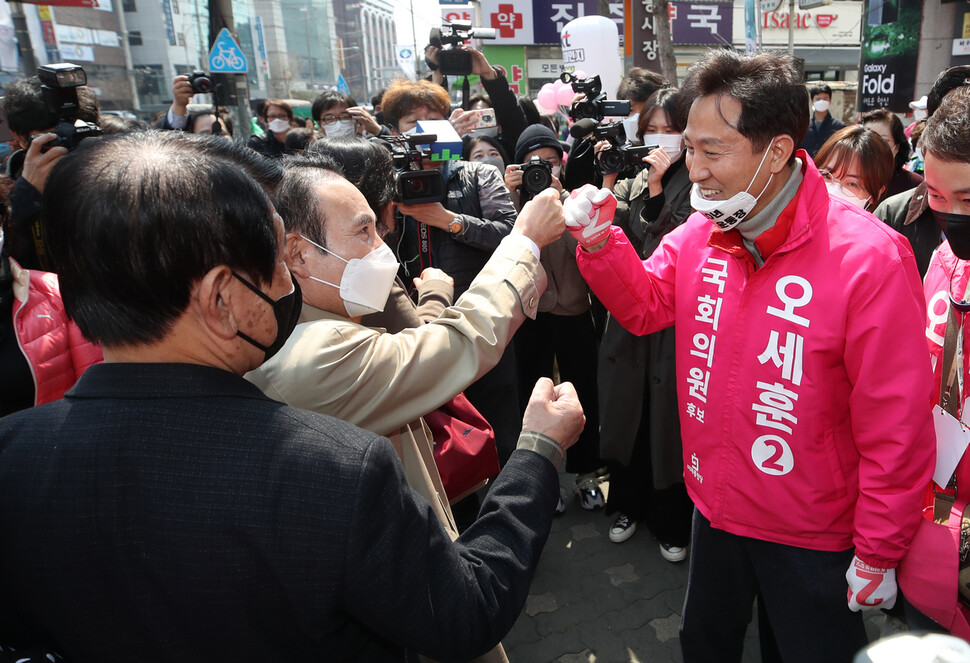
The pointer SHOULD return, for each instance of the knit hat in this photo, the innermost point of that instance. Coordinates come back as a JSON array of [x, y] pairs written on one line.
[[534, 137]]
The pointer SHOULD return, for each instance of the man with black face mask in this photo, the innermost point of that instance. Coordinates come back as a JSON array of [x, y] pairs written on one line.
[[946, 146], [166, 499]]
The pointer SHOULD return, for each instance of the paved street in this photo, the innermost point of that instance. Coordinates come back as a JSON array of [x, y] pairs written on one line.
[[594, 601]]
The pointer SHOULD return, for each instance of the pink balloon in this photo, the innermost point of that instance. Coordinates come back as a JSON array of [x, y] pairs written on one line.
[[565, 95], [548, 86], [557, 85], [546, 98]]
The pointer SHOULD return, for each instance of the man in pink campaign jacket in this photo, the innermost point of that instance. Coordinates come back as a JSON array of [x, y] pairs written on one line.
[[930, 574], [802, 376]]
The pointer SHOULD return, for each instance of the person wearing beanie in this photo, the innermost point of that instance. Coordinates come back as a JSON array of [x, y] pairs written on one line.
[[562, 332]]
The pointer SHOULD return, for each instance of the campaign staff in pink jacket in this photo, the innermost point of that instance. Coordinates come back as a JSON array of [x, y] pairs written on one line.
[[802, 378]]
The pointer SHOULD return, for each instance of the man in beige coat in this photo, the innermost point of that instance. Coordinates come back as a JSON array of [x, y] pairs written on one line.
[[385, 382]]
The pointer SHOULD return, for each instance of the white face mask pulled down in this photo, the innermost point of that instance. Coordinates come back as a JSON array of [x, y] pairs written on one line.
[[278, 125], [726, 214], [366, 282], [340, 128], [835, 189], [673, 144]]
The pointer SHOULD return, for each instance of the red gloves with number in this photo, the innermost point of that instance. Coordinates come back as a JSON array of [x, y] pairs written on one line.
[[589, 214], [869, 587]]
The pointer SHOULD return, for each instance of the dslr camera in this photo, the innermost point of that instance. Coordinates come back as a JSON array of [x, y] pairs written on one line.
[[59, 84], [201, 82], [536, 177], [453, 61], [595, 106], [413, 187]]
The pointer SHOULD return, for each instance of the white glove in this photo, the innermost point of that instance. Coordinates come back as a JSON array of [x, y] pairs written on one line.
[[589, 214], [869, 587]]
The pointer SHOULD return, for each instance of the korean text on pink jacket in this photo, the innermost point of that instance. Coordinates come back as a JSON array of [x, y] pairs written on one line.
[[803, 385], [55, 349]]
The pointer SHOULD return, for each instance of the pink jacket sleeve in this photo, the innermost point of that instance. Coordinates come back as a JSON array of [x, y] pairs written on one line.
[[638, 294], [889, 370]]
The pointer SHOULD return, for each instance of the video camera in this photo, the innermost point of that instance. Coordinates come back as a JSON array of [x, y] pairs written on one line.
[[620, 155], [59, 84], [595, 106], [413, 187], [453, 61], [536, 177]]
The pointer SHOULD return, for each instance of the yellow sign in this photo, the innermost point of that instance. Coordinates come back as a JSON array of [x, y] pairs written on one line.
[[44, 11], [966, 25]]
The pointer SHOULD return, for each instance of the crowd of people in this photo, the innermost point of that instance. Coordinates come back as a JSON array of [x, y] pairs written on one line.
[[225, 366]]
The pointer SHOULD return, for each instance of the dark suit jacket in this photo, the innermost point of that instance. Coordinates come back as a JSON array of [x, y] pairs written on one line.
[[164, 512], [819, 132]]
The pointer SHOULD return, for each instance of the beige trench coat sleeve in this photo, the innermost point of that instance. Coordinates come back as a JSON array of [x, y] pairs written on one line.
[[382, 382]]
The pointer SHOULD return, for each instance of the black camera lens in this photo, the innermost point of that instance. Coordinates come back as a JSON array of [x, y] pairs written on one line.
[[200, 82], [416, 186], [611, 161], [536, 179]]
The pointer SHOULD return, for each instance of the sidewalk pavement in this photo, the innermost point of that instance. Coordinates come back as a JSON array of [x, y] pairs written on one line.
[[595, 601]]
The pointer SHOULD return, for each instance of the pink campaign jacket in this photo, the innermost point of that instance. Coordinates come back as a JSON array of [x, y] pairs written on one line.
[[55, 349], [802, 385]]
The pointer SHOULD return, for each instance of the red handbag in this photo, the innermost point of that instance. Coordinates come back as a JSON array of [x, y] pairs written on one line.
[[464, 447]]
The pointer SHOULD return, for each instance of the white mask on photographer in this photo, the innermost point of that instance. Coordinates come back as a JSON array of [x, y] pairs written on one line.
[[630, 125], [340, 128], [821, 105], [278, 125], [673, 144], [366, 282], [556, 170]]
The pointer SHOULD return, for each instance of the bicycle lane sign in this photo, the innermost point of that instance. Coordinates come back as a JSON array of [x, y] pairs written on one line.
[[226, 57]]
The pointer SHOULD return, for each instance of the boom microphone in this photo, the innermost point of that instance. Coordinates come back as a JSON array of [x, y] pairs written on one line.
[[582, 128]]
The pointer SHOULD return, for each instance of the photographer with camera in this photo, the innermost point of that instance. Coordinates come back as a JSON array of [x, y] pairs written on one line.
[[509, 118], [460, 233], [633, 91], [184, 87], [562, 332], [48, 115]]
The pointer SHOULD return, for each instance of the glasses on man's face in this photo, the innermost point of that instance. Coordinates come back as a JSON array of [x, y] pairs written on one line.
[[282, 116], [330, 118], [849, 184]]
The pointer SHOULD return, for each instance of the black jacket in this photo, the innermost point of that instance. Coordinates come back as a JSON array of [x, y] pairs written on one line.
[[164, 512], [819, 132], [909, 214]]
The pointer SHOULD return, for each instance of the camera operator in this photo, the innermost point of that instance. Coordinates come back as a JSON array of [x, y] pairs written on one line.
[[339, 116], [462, 232], [636, 87], [510, 120], [562, 332], [28, 116]]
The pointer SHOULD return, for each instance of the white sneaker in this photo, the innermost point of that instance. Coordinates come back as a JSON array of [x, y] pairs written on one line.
[[561, 506], [623, 528], [673, 553]]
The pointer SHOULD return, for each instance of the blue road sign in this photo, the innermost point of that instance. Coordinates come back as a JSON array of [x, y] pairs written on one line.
[[226, 57], [342, 84]]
